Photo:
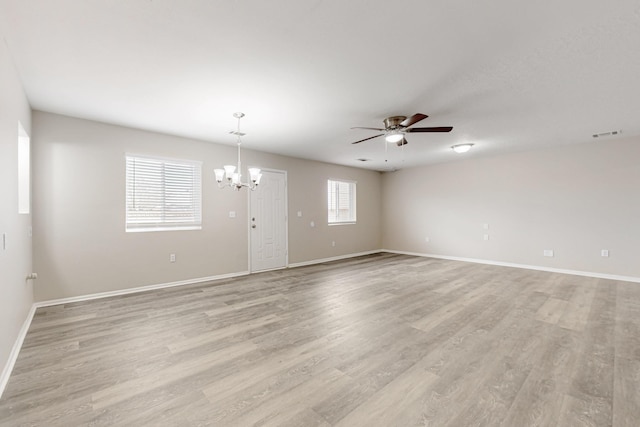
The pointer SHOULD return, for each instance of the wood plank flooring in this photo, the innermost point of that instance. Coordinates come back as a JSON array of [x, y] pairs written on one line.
[[381, 340]]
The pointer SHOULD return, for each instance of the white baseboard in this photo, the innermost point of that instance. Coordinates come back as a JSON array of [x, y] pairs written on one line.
[[335, 258], [13, 356], [108, 294], [527, 267], [136, 290], [319, 261]]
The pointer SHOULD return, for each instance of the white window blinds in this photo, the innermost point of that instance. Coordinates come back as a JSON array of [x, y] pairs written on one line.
[[163, 194], [341, 201]]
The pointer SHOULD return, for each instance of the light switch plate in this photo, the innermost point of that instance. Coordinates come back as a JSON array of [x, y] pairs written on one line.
[[548, 252]]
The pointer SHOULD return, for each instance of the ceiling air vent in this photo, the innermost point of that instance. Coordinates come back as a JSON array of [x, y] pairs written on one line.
[[612, 133]]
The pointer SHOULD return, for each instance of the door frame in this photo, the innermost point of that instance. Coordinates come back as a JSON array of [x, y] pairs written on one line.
[[286, 222]]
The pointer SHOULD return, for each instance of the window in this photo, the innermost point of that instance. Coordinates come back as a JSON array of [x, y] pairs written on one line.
[[341, 202], [24, 171], [163, 194]]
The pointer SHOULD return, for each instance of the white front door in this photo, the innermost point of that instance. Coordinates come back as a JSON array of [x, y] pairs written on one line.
[[268, 222]]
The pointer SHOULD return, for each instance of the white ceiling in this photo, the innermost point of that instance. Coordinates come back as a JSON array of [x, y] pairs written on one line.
[[507, 75]]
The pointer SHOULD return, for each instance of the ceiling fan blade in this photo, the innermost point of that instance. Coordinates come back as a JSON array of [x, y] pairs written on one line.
[[357, 127], [402, 142], [366, 139], [413, 120], [433, 129]]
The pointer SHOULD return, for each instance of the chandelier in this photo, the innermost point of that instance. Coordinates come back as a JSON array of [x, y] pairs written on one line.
[[228, 177]]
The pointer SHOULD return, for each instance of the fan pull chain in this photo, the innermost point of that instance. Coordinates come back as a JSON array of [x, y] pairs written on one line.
[[386, 153]]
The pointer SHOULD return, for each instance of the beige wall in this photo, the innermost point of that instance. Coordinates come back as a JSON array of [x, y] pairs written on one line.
[[80, 246], [15, 260], [576, 200]]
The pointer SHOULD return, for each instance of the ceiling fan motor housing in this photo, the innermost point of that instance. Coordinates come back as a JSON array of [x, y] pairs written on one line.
[[393, 122]]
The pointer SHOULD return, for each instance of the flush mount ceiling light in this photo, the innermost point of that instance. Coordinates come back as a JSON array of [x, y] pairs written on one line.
[[462, 148], [233, 178]]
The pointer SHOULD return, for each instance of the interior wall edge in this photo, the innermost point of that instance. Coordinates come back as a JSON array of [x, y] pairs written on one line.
[[16, 211]]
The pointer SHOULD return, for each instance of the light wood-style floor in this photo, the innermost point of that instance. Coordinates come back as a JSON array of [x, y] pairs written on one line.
[[382, 340]]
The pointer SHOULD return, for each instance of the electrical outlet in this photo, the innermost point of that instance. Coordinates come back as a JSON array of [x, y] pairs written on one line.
[[232, 214], [299, 214], [485, 226], [548, 252], [333, 243], [427, 239], [485, 237], [172, 258], [604, 253]]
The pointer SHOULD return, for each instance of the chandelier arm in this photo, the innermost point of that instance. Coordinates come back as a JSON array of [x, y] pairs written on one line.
[[234, 178]]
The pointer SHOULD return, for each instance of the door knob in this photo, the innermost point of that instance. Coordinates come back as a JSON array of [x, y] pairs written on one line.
[[253, 226]]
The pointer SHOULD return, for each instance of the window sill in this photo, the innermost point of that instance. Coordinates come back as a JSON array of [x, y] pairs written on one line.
[[148, 229], [342, 223]]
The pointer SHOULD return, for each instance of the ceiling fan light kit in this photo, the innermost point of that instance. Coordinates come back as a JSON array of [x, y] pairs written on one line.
[[461, 148], [394, 136], [228, 177]]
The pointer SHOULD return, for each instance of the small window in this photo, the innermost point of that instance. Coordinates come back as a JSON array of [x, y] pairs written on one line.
[[163, 194], [341, 202], [24, 171]]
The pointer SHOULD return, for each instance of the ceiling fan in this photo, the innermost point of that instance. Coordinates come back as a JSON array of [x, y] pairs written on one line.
[[395, 127]]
